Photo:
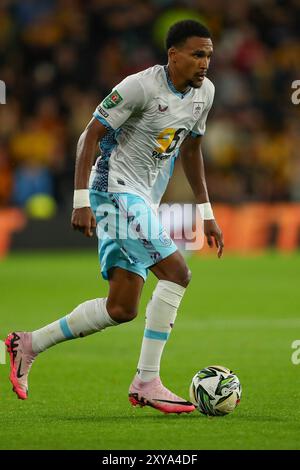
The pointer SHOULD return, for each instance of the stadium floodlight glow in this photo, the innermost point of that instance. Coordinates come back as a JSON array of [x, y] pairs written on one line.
[[2, 92], [2, 352]]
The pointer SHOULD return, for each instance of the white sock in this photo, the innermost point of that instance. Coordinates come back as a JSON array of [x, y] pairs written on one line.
[[87, 318], [160, 317]]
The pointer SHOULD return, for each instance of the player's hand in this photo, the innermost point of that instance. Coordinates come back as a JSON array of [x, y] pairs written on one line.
[[213, 233], [83, 220]]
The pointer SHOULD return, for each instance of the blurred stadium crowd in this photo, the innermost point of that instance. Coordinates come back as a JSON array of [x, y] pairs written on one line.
[[60, 58]]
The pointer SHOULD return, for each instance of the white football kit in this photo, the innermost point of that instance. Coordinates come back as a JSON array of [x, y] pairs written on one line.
[[147, 119]]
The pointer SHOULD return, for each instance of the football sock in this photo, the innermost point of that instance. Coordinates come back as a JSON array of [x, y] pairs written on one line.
[[85, 319], [160, 317]]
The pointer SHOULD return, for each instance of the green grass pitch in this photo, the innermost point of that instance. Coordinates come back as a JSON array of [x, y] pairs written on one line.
[[242, 313]]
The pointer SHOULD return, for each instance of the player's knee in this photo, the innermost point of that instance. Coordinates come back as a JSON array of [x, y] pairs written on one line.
[[186, 277], [121, 314], [182, 277], [189, 276]]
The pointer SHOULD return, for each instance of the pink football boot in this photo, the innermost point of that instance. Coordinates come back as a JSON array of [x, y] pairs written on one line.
[[19, 347], [154, 394]]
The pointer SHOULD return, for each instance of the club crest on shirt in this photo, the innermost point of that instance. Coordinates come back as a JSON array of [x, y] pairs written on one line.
[[197, 109]]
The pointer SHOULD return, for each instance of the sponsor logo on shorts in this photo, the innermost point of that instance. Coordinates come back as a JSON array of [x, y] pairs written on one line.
[[102, 111], [112, 100]]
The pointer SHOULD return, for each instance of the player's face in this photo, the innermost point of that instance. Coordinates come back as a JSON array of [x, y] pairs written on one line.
[[192, 60]]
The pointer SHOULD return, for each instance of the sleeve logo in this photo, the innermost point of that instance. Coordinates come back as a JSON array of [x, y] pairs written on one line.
[[102, 111], [112, 100]]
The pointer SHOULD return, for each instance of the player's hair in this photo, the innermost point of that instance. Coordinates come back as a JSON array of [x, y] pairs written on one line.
[[182, 30]]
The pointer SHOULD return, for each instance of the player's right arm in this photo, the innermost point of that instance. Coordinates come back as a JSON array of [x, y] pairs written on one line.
[[127, 97], [83, 218]]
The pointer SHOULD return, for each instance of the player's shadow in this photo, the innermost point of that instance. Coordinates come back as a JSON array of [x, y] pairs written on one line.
[[172, 418], [116, 418]]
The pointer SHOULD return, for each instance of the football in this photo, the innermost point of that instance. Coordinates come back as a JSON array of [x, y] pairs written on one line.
[[215, 391]]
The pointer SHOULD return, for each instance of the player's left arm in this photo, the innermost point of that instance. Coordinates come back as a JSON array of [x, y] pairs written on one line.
[[193, 166]]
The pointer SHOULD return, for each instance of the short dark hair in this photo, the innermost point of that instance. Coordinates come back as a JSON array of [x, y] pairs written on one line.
[[182, 30]]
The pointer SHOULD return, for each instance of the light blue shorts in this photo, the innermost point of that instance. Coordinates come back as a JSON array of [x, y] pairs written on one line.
[[129, 233]]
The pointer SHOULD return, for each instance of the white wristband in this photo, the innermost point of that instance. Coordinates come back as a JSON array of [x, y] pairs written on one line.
[[81, 198], [206, 211]]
